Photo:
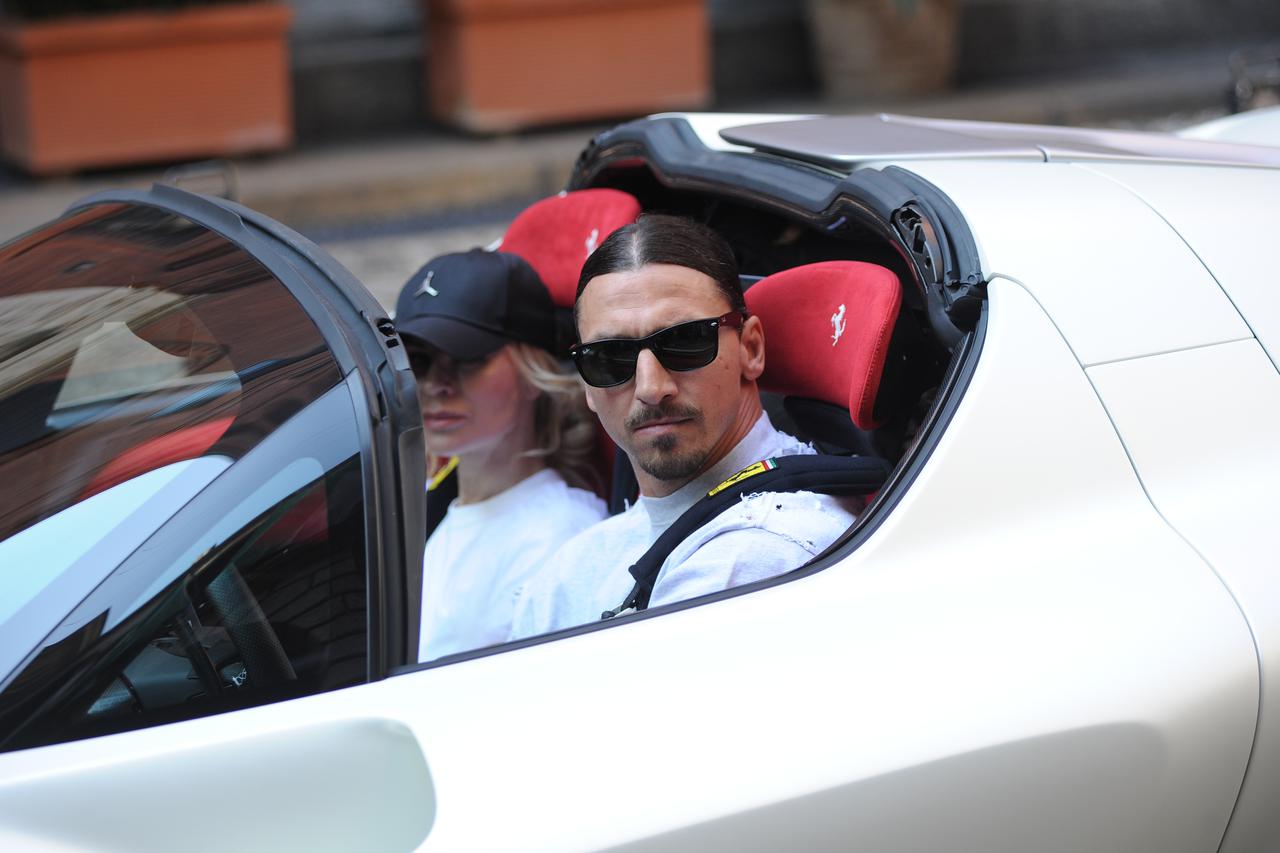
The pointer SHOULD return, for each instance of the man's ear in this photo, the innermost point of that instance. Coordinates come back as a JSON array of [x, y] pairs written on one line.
[[751, 349]]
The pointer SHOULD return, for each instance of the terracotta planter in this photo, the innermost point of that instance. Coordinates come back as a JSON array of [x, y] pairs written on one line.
[[884, 48], [499, 65], [144, 86]]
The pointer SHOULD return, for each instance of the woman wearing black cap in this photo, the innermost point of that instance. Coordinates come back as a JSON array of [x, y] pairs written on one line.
[[480, 331]]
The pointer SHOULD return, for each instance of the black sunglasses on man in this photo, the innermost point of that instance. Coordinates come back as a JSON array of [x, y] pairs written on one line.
[[682, 347]]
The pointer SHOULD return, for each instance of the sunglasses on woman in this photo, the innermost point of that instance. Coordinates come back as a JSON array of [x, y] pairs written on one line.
[[421, 360], [685, 346]]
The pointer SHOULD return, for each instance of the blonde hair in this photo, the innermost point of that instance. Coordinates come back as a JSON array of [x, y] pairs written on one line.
[[564, 428]]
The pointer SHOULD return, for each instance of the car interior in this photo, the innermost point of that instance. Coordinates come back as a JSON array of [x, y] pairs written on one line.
[[811, 291], [850, 367]]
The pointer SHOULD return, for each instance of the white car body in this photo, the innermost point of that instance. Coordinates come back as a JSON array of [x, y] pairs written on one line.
[[1062, 637], [1252, 127]]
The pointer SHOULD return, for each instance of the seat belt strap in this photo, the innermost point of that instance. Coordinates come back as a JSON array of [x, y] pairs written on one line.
[[824, 474], [442, 489]]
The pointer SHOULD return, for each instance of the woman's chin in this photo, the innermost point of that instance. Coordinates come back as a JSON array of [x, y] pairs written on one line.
[[445, 444]]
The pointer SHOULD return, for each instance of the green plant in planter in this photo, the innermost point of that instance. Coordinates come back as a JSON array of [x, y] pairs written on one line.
[[36, 10]]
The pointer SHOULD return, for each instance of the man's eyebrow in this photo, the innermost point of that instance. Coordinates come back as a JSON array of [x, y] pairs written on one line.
[[612, 333], [609, 336]]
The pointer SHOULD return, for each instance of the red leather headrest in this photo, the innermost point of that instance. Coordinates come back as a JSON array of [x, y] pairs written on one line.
[[827, 328], [555, 235], [186, 443]]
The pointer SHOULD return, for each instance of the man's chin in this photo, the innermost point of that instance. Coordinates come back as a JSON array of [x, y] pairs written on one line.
[[668, 465]]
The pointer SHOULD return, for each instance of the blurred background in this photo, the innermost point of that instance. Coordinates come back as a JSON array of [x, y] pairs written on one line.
[[393, 130]]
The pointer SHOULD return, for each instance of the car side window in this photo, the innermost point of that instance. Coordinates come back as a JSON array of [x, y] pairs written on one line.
[[184, 530], [278, 612], [264, 598]]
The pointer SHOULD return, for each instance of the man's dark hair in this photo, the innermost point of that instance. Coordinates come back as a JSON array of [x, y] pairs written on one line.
[[658, 239]]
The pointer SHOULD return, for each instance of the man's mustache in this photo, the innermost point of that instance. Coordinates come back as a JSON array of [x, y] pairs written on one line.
[[646, 415]]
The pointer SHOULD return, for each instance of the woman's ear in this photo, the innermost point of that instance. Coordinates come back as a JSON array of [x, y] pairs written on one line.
[[751, 349]]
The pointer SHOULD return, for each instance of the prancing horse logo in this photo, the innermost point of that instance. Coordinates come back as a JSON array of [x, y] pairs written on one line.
[[426, 287], [837, 325], [592, 241]]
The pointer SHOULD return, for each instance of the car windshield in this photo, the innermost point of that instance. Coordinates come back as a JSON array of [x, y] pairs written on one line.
[[140, 355]]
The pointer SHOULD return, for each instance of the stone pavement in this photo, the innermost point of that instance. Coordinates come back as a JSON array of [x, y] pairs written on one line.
[[384, 263], [384, 206]]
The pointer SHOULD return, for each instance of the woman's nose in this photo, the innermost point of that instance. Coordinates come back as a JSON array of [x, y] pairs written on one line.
[[439, 380]]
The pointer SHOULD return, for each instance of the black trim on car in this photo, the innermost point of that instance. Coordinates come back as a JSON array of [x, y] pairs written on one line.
[[671, 148], [906, 210], [950, 254], [397, 431]]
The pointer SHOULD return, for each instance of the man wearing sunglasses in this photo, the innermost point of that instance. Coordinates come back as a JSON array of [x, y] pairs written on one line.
[[671, 357]]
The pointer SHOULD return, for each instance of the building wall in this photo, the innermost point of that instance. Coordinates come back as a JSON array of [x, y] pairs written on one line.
[[760, 48], [357, 67], [999, 39], [358, 64]]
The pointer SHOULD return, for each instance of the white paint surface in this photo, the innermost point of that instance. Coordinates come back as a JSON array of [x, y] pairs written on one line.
[[1228, 218], [1116, 279], [1201, 427]]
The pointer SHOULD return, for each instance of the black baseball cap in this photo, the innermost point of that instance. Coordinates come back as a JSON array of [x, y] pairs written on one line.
[[468, 304]]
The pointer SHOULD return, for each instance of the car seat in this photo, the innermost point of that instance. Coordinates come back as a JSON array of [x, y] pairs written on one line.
[[555, 235], [177, 446], [828, 328]]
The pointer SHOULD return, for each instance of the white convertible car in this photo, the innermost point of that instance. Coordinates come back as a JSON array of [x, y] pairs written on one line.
[[1056, 627]]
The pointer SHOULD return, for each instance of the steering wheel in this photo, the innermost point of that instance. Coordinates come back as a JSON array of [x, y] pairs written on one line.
[[259, 646]]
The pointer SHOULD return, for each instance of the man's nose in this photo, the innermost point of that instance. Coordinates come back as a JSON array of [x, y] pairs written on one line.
[[654, 382]]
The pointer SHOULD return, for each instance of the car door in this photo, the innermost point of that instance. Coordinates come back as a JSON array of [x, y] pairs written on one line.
[[214, 473]]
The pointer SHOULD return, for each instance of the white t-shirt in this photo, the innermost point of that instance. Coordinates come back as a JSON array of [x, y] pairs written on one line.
[[478, 558], [762, 536]]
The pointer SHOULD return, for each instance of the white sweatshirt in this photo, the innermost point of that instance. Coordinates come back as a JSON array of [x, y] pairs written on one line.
[[762, 536], [481, 554]]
